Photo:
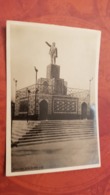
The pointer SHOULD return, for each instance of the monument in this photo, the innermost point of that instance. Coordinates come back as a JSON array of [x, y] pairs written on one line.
[[53, 99]]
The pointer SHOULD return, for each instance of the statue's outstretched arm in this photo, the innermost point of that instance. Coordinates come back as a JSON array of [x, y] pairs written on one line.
[[47, 43]]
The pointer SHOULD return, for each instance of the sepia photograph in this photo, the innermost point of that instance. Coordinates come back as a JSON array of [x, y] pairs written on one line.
[[52, 98]]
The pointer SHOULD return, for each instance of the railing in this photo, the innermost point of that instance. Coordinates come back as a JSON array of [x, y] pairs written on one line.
[[51, 90]]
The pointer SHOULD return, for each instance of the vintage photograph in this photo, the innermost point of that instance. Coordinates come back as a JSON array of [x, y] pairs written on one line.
[[52, 98]]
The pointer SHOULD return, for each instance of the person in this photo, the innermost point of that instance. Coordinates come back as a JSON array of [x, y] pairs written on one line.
[[53, 52]]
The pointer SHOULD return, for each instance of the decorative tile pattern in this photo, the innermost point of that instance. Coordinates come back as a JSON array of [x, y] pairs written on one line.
[[65, 105]]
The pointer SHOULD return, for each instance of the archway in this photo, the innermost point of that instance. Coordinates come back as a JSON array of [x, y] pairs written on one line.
[[43, 110], [45, 87], [84, 110]]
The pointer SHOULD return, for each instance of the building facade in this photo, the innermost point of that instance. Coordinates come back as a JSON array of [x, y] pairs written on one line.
[[50, 98]]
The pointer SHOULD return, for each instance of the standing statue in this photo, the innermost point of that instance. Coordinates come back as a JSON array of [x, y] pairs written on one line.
[[53, 52]]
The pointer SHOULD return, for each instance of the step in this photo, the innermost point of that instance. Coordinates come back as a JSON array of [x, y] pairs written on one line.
[[59, 131], [53, 141], [54, 137], [63, 127], [56, 124], [56, 132]]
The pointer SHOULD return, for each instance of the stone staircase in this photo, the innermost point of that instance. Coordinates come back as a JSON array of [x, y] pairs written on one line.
[[19, 128], [39, 132]]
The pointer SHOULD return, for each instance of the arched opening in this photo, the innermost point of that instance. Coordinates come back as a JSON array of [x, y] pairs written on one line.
[[43, 110], [84, 110], [45, 87]]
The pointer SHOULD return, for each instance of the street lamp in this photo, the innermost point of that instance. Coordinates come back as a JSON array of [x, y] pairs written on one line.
[[90, 90], [28, 93], [36, 71], [13, 109], [13, 112], [36, 90], [15, 81]]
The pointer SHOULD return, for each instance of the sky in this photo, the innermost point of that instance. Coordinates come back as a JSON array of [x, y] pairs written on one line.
[[78, 54]]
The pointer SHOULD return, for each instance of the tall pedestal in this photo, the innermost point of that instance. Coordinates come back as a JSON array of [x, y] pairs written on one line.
[[53, 71]]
